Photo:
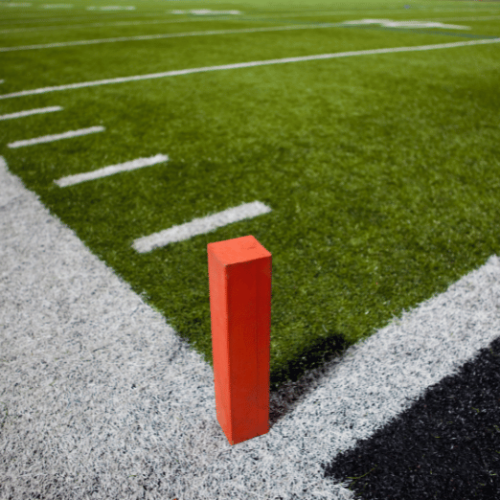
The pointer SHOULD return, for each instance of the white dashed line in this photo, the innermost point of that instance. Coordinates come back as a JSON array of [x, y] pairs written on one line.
[[56, 137], [200, 226], [111, 170], [252, 64], [29, 112]]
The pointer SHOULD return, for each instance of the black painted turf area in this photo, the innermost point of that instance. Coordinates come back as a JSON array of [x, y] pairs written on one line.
[[446, 446]]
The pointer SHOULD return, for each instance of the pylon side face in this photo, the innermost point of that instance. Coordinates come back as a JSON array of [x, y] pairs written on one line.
[[220, 340], [240, 304]]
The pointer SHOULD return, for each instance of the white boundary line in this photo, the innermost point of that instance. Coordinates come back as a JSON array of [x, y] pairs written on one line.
[[253, 64], [55, 137], [112, 337], [166, 35], [200, 226], [29, 112], [70, 180]]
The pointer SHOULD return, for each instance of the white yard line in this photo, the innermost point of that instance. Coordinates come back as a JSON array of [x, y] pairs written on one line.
[[389, 23], [252, 64], [70, 180], [48, 20], [200, 226], [111, 7], [102, 24], [13, 4], [166, 35], [29, 112], [57, 6], [67, 314], [56, 137], [208, 12], [363, 12]]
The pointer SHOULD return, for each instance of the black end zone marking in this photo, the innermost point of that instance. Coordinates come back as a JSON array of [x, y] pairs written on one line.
[[446, 446]]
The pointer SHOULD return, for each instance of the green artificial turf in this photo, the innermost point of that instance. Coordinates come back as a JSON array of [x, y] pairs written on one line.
[[382, 171]]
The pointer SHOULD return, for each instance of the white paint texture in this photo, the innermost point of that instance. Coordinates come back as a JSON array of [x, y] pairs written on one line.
[[111, 7], [252, 64], [70, 180], [388, 23], [58, 6], [208, 12], [200, 226], [101, 392], [100, 24], [164, 21], [375, 11], [55, 137], [165, 36], [30, 112], [13, 4]]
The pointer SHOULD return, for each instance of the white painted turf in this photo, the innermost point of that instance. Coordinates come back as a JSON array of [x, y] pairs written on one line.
[[162, 36], [30, 112], [96, 25], [55, 137], [105, 401], [71, 180], [200, 225], [252, 64]]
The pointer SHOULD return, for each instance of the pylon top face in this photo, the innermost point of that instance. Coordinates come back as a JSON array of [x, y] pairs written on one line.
[[238, 250]]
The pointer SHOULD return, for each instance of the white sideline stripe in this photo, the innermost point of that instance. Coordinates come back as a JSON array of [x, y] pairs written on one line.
[[164, 35], [55, 137], [70, 180], [346, 400], [252, 64], [29, 112], [200, 226]]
